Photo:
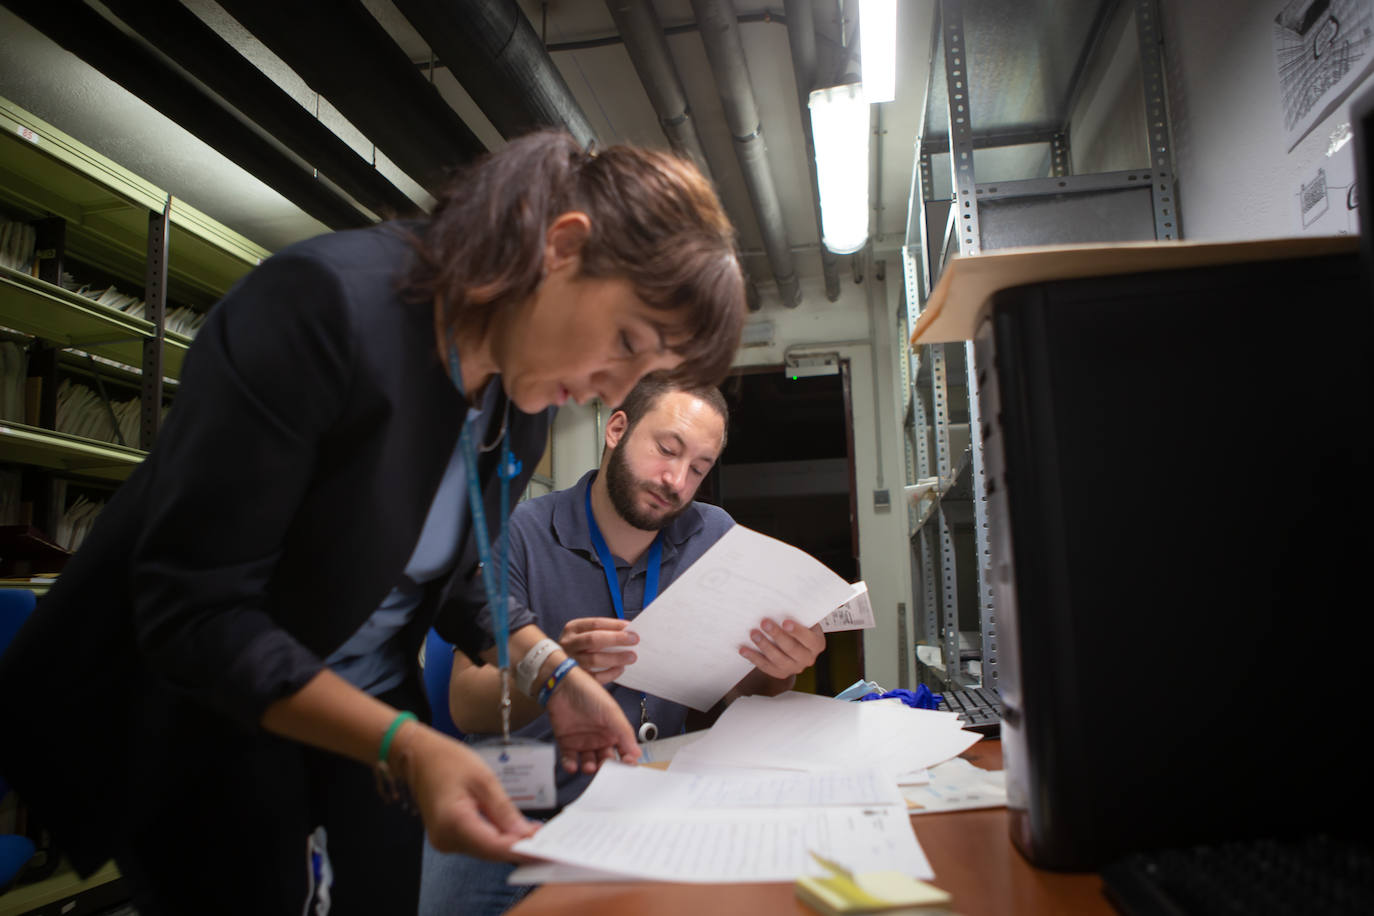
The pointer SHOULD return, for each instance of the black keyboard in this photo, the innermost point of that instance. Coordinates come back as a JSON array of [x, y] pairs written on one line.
[[979, 709], [1317, 874]]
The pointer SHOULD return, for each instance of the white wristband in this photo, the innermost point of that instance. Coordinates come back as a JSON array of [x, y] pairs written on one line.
[[527, 669]]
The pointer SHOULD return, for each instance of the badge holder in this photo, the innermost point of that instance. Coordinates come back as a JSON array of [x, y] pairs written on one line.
[[524, 766]]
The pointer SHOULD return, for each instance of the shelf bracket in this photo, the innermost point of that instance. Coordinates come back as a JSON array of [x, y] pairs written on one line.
[[155, 300]]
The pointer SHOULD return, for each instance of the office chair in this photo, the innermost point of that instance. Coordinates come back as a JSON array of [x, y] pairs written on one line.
[[15, 849], [438, 669]]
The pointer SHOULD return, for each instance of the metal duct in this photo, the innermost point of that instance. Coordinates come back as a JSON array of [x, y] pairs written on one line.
[[342, 53], [648, 49], [182, 36], [492, 50], [801, 38], [724, 50], [85, 33], [647, 45]]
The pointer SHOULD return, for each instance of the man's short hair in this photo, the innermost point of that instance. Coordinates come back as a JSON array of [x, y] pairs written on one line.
[[644, 397]]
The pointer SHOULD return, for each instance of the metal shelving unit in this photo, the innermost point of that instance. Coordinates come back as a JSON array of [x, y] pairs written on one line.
[[994, 169], [89, 209]]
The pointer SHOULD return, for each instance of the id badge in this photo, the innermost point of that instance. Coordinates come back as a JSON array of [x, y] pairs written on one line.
[[525, 768]]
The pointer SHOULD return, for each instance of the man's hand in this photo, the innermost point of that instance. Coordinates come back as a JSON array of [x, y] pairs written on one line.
[[587, 639], [460, 800], [588, 724], [782, 651]]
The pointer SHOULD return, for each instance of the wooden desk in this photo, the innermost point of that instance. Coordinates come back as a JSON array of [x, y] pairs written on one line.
[[970, 851]]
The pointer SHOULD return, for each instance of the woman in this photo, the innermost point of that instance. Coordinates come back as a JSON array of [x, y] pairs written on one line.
[[219, 669]]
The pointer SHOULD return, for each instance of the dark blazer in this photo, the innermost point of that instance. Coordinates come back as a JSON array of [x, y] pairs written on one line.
[[284, 497]]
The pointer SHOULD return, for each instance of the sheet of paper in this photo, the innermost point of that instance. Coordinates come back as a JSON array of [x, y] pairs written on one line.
[[689, 638], [956, 785], [797, 731], [730, 846], [855, 614], [662, 750], [555, 873], [618, 787]]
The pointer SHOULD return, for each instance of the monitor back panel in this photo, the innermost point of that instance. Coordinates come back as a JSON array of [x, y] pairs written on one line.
[[1179, 473]]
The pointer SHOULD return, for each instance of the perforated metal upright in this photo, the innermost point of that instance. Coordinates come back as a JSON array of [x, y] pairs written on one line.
[[1057, 207]]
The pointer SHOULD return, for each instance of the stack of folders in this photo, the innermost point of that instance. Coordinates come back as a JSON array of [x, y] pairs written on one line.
[[180, 319], [17, 241], [81, 412], [10, 480], [14, 369], [76, 519]]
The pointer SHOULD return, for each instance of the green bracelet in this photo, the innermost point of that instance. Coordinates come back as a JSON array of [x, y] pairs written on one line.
[[401, 719]]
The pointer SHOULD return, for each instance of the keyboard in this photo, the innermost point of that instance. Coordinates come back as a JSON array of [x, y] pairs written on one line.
[[1315, 874], [979, 709]]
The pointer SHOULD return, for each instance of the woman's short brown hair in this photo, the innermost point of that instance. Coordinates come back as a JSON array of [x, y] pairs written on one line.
[[655, 221]]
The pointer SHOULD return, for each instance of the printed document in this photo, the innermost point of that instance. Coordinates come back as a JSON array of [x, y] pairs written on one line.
[[736, 830], [689, 637], [801, 731]]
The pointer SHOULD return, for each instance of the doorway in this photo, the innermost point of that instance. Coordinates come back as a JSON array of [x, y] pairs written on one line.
[[788, 472]]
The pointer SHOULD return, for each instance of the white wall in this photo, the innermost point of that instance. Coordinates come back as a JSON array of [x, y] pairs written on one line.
[[1236, 178]]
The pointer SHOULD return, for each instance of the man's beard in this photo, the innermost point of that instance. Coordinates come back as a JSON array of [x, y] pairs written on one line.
[[623, 488]]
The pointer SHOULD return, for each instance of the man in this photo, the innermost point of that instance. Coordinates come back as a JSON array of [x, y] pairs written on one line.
[[660, 444]]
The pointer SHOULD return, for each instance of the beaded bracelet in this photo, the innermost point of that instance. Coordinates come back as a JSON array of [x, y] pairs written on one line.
[[559, 673]]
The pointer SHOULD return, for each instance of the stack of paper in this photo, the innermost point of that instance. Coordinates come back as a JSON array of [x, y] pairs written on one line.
[[17, 245], [14, 369], [800, 731], [81, 412], [179, 318], [773, 781], [639, 823]]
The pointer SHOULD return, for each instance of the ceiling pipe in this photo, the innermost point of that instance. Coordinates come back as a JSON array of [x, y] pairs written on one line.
[[647, 44], [342, 53], [801, 38], [181, 35], [85, 33], [725, 51], [492, 50]]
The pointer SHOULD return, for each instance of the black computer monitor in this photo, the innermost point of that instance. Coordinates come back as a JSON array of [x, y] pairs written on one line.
[[1362, 125], [1181, 500]]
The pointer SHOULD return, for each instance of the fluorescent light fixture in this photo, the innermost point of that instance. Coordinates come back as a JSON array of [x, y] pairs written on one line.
[[839, 124], [878, 47]]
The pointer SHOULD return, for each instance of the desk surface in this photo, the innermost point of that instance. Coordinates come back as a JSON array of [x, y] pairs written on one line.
[[970, 851]]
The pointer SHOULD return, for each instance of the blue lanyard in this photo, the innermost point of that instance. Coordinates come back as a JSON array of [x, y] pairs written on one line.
[[498, 595], [603, 553]]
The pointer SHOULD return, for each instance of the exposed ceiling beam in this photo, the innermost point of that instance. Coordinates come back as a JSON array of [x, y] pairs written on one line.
[[181, 35], [85, 33], [346, 56]]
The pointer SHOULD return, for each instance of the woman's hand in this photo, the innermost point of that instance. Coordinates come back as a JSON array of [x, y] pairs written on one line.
[[461, 801], [587, 639], [588, 724]]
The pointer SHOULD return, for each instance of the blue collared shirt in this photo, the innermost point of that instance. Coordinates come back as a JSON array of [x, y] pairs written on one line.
[[556, 573]]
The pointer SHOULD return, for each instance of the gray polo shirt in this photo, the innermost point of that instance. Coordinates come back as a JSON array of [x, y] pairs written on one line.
[[555, 572]]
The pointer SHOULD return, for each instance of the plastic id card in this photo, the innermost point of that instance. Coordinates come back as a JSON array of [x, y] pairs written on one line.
[[525, 768]]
